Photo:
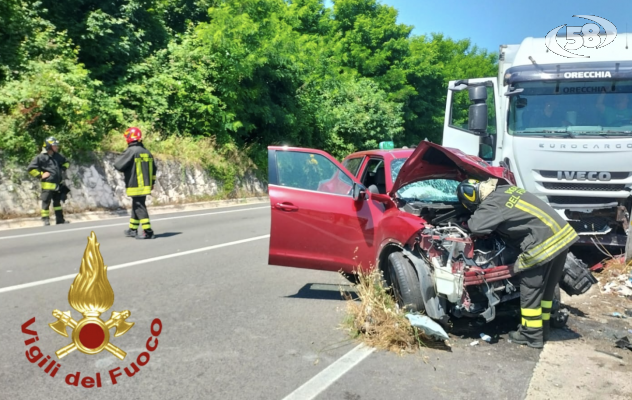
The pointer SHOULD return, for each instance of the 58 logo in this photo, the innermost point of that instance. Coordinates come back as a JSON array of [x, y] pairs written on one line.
[[588, 35]]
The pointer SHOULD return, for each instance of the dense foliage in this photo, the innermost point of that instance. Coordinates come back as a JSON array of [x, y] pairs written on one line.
[[246, 73]]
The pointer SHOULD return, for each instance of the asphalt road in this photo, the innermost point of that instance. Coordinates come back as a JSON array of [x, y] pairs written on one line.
[[233, 327]]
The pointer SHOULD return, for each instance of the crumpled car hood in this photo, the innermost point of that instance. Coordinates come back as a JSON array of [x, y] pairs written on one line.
[[432, 161]]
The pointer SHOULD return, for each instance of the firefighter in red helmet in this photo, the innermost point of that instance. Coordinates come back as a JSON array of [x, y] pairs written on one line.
[[139, 168]]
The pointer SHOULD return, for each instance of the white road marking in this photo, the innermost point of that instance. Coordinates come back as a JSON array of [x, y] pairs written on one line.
[[331, 374], [131, 264], [127, 223]]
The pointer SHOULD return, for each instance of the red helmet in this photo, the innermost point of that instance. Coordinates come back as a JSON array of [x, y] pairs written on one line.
[[133, 135]]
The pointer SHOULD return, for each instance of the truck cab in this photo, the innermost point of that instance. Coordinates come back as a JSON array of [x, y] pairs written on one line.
[[563, 126]]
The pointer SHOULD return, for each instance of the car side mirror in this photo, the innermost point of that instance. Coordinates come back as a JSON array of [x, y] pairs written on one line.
[[358, 192]]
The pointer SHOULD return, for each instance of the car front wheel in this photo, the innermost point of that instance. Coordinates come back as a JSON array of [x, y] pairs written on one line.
[[405, 283]]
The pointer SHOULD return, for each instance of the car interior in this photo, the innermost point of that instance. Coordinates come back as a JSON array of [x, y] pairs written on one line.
[[374, 177]]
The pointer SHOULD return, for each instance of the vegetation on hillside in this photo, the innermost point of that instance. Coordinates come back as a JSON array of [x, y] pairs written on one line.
[[230, 75]]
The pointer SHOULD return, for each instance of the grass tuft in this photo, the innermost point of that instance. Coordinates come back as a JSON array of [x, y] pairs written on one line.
[[376, 319]]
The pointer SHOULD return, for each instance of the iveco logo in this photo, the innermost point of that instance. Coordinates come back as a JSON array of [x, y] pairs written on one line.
[[583, 176]]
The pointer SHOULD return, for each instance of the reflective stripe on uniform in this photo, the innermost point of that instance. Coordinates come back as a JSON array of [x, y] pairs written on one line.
[[49, 186], [546, 309], [57, 208], [539, 214], [133, 226], [45, 213], [548, 247], [35, 173], [146, 226], [531, 312], [139, 173], [141, 191], [528, 323]]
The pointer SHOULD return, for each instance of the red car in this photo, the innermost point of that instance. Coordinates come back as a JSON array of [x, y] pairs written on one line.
[[394, 209]]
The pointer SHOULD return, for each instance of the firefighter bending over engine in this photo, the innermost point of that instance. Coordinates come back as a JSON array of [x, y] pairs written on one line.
[[543, 236]]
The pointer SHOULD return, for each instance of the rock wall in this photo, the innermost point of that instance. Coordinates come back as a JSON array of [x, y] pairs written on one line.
[[98, 186]]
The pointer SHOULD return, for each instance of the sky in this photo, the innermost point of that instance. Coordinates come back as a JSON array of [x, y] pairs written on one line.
[[490, 23]]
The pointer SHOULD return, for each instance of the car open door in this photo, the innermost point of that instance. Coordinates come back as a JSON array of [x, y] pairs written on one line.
[[316, 223], [456, 132]]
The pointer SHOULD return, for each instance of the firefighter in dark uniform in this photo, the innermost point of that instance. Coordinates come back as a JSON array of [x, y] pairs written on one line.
[[49, 166], [543, 236], [139, 168]]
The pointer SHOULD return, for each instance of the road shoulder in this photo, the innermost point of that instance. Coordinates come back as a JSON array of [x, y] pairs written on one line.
[[157, 210], [582, 362]]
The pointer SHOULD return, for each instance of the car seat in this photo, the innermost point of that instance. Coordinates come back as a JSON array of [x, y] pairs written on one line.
[[380, 180]]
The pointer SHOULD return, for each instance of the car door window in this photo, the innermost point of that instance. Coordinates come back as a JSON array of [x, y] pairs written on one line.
[[353, 165], [374, 174], [313, 172]]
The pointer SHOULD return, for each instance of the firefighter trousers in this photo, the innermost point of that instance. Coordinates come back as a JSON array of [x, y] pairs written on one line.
[[54, 196], [139, 214], [537, 289]]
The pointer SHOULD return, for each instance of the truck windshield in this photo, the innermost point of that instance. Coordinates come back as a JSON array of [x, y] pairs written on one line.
[[430, 190], [571, 108]]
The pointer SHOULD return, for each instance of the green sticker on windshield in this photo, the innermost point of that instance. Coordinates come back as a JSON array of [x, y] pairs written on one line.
[[387, 145]]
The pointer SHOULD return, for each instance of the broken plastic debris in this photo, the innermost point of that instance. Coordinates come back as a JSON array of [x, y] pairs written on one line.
[[474, 343], [617, 315], [624, 343], [486, 338], [428, 326]]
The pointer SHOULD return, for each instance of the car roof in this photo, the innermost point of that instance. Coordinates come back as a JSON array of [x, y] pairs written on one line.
[[387, 154]]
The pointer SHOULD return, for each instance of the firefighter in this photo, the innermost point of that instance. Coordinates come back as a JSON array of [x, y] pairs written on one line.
[[543, 236], [49, 166], [139, 168]]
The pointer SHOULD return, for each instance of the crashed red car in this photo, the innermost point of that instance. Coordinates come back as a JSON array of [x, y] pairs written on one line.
[[397, 210]]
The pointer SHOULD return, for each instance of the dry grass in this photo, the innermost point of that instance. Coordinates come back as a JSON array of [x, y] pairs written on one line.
[[376, 319]]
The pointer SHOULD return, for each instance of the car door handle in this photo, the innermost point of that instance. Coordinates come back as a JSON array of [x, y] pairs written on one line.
[[286, 207]]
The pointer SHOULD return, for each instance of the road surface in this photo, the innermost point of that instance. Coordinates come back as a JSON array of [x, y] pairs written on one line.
[[233, 327]]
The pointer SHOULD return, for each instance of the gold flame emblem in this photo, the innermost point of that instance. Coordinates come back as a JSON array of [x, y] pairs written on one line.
[[91, 294]]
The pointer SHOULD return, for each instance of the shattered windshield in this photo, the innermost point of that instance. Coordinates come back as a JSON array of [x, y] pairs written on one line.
[[431, 190], [571, 109]]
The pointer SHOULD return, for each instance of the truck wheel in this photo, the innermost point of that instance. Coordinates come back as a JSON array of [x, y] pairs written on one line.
[[405, 283]]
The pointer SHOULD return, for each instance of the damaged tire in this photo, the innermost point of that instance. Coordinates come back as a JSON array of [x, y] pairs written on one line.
[[405, 283], [576, 278]]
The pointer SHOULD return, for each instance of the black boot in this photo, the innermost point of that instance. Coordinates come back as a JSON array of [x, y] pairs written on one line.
[[519, 337], [148, 234], [130, 233], [46, 221], [59, 218]]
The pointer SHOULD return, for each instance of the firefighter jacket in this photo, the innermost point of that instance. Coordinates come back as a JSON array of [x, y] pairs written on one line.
[[54, 165], [523, 221], [139, 168]]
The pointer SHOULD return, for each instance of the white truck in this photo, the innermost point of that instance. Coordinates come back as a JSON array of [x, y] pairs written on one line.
[[563, 126]]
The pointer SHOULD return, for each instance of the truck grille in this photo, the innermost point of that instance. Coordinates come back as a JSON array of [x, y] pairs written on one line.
[[590, 224], [614, 175], [580, 200], [582, 186]]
